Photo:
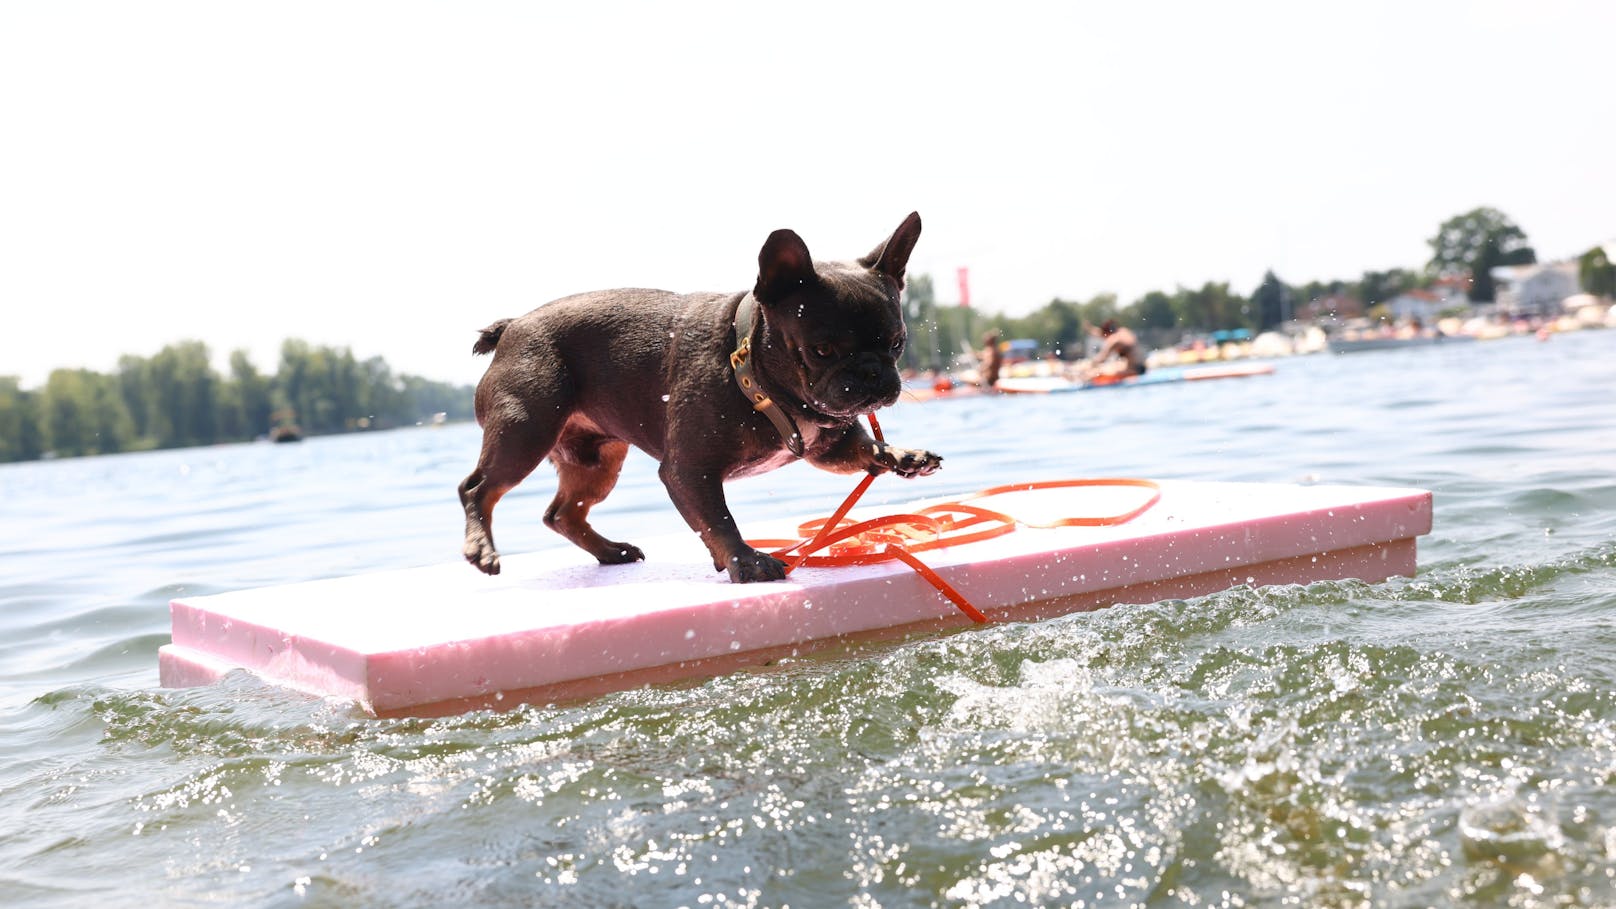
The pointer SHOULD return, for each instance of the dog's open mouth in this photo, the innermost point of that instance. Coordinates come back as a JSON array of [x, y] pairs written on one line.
[[851, 402]]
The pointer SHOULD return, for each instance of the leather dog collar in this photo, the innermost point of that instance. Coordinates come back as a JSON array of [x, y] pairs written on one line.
[[741, 361]]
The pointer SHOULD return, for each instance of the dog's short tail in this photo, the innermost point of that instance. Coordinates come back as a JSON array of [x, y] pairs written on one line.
[[489, 337]]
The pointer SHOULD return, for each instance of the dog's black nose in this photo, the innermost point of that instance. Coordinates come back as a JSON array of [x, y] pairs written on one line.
[[870, 368]]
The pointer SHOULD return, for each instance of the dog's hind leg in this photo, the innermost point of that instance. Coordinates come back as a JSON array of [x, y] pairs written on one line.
[[587, 467], [511, 449]]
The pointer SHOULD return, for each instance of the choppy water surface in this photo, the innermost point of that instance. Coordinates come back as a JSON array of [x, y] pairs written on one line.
[[1448, 739]]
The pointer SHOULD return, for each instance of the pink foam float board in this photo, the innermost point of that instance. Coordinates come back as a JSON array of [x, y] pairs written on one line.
[[555, 625]]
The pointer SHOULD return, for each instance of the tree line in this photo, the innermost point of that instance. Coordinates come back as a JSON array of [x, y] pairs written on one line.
[[177, 398], [1464, 251], [939, 333]]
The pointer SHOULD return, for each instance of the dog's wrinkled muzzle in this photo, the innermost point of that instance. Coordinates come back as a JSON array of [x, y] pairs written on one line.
[[850, 400]]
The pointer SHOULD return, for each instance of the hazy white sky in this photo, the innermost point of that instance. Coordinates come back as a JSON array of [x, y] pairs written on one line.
[[393, 175]]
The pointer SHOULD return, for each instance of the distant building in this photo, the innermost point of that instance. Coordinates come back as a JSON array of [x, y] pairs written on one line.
[[1424, 306], [1455, 286], [1414, 306], [1334, 307], [1535, 290]]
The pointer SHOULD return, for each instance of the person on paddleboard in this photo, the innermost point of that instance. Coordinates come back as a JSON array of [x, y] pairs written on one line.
[[1120, 355]]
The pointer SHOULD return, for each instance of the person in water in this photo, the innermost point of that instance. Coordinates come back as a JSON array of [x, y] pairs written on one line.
[[992, 360], [1120, 355]]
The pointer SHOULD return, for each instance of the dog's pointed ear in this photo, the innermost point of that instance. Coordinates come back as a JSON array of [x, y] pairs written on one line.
[[891, 257], [783, 265]]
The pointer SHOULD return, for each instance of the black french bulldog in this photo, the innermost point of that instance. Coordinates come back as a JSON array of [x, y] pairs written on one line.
[[712, 385]]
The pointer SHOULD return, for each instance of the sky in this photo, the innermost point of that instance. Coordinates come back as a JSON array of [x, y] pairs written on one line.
[[391, 176]]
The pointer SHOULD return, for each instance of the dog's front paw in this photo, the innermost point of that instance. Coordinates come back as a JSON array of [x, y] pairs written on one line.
[[750, 566], [613, 553], [482, 556], [906, 462]]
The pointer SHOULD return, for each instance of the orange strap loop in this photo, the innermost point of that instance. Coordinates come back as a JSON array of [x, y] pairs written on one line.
[[835, 541]]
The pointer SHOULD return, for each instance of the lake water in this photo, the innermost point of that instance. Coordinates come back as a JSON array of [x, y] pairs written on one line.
[[1448, 739]]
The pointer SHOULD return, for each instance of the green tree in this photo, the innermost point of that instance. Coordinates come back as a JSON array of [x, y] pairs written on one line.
[[1314, 291], [1211, 308], [184, 395], [1380, 286], [176, 398], [84, 413], [326, 390], [1099, 309], [920, 318], [1061, 330], [134, 385], [1154, 318], [381, 396], [1475, 243], [1271, 302], [953, 333], [1596, 274], [420, 399], [68, 413], [936, 333], [1057, 326], [21, 433], [244, 400], [316, 384]]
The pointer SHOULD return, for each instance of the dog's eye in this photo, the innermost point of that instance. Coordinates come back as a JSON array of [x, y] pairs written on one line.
[[824, 351], [897, 343]]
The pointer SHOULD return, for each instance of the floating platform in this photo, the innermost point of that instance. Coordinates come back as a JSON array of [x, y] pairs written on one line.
[[1375, 342], [1164, 375], [1161, 376], [556, 626]]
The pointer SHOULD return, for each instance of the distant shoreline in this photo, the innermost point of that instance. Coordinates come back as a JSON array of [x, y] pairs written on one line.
[[176, 398]]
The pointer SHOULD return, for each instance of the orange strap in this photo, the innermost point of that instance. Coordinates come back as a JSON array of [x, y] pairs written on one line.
[[834, 541]]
